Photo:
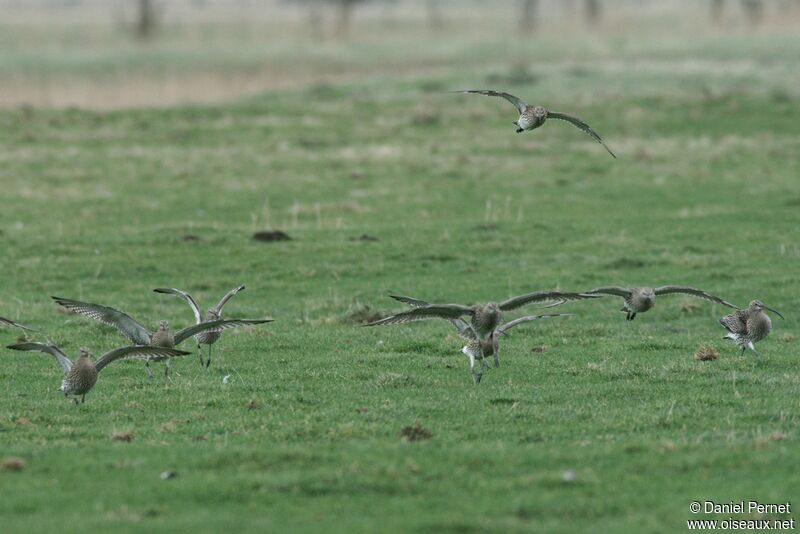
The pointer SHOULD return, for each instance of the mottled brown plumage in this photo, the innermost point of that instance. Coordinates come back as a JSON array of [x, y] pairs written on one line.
[[80, 376], [481, 348], [139, 335], [748, 326], [208, 337], [532, 117], [484, 318], [642, 299]]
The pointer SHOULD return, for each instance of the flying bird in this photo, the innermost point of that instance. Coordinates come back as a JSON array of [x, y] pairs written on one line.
[[208, 337], [749, 326], [484, 318], [81, 375], [481, 350], [641, 299], [139, 335], [531, 117]]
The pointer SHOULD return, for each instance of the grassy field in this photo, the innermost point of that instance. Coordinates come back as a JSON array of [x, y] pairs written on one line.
[[592, 423]]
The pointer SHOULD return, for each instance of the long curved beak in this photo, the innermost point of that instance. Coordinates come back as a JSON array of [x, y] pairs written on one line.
[[773, 310]]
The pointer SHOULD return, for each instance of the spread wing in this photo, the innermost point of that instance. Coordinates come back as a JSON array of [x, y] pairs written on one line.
[[123, 322], [137, 351], [9, 322], [736, 322], [198, 315], [518, 102], [580, 124], [541, 296], [61, 358], [431, 311], [463, 327], [511, 324], [222, 324], [667, 290], [226, 298], [617, 291]]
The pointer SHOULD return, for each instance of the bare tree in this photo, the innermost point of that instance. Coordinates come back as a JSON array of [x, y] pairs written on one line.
[[529, 17], [593, 11]]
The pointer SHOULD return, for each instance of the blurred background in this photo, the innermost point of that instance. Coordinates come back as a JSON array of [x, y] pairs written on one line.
[[107, 54]]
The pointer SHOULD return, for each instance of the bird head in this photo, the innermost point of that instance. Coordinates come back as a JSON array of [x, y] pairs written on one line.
[[83, 352], [540, 112], [163, 326], [648, 293], [758, 306]]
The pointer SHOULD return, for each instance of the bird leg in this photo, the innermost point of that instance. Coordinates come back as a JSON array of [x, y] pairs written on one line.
[[75, 400], [200, 354], [166, 368], [83, 398], [496, 359], [208, 362], [147, 368]]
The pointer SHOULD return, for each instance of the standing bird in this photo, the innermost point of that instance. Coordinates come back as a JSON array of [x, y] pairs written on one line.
[[208, 337], [531, 117], [484, 318], [481, 350], [748, 326], [641, 299], [80, 376], [9, 322], [139, 335]]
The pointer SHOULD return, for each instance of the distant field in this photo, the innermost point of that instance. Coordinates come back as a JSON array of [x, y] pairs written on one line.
[[591, 423]]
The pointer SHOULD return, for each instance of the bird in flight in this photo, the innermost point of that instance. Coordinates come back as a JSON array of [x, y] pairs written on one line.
[[531, 117], [641, 299]]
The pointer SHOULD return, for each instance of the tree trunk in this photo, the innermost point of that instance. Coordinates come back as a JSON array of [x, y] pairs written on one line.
[[529, 17]]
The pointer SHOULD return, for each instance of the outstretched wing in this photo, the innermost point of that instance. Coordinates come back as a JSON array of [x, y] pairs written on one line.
[[463, 327], [226, 298], [667, 290], [511, 324], [541, 296], [137, 351], [123, 322], [222, 324], [61, 358], [518, 102], [617, 291], [580, 124], [431, 311], [9, 322], [736, 322], [198, 315]]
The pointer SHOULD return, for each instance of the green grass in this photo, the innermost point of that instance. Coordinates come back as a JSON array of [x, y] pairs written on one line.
[[306, 433]]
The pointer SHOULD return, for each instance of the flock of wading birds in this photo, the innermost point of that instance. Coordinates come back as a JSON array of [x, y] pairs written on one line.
[[482, 332]]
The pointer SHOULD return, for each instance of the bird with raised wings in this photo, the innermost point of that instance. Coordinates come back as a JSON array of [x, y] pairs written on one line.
[[139, 335], [749, 326], [477, 349], [207, 337], [640, 299], [484, 318], [532, 117], [81, 375]]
